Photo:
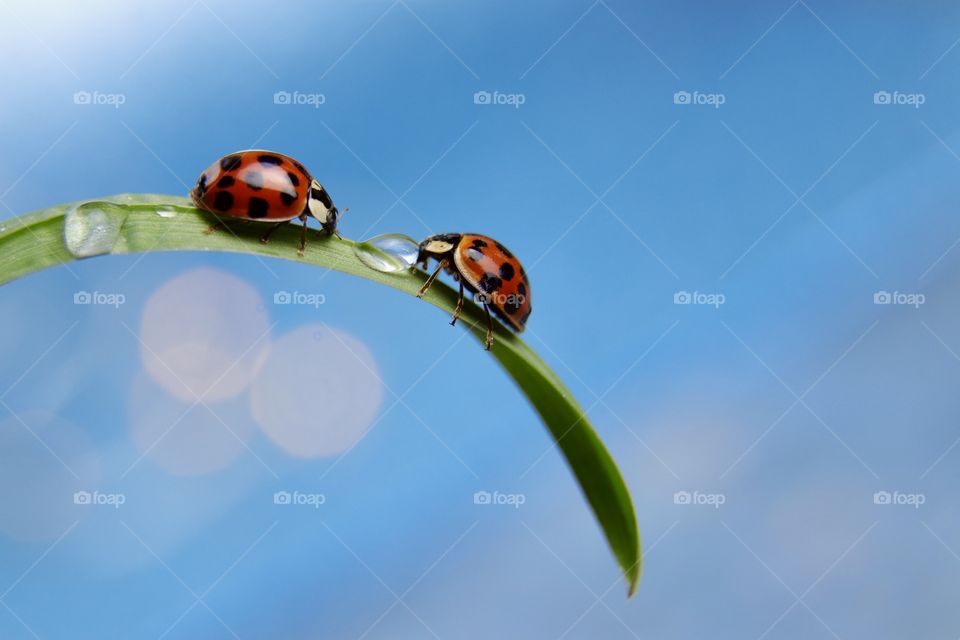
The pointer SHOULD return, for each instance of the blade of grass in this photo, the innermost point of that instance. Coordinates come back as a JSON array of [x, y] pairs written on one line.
[[145, 223]]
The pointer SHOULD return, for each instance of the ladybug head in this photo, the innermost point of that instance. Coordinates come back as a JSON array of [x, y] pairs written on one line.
[[321, 207], [438, 246]]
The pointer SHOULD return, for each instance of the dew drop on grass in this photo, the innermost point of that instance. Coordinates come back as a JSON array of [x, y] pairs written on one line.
[[390, 252], [166, 213], [93, 228]]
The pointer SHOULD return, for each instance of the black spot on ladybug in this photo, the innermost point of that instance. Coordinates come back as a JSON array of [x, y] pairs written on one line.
[[300, 168], [322, 196], [287, 198], [511, 305], [474, 254], [225, 182], [526, 316], [478, 243], [490, 283], [505, 251], [254, 180], [266, 159], [258, 208], [294, 180], [522, 289], [506, 271], [223, 201], [202, 185], [229, 163]]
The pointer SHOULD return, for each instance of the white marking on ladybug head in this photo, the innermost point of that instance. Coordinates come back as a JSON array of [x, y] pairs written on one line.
[[318, 209], [438, 246]]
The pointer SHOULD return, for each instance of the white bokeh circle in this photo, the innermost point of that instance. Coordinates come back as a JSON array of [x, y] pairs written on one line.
[[317, 393], [204, 333]]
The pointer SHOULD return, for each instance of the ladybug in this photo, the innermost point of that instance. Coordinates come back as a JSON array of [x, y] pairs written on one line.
[[487, 269], [264, 186]]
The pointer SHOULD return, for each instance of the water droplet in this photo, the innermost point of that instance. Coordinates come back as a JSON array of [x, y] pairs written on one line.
[[166, 213], [93, 228], [390, 252]]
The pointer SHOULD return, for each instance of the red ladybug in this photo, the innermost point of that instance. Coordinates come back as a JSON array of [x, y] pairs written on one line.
[[486, 268], [266, 187]]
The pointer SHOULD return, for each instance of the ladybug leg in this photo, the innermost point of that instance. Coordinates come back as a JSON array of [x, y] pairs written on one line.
[[433, 276], [265, 238], [303, 235], [456, 312], [489, 340]]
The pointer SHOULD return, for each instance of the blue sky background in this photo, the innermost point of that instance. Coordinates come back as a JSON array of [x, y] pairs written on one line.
[[798, 199]]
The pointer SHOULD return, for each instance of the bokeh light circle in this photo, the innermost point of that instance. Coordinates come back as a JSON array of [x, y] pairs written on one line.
[[317, 393], [204, 333]]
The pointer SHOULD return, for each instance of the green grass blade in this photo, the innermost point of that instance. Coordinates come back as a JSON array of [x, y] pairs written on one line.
[[143, 223]]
